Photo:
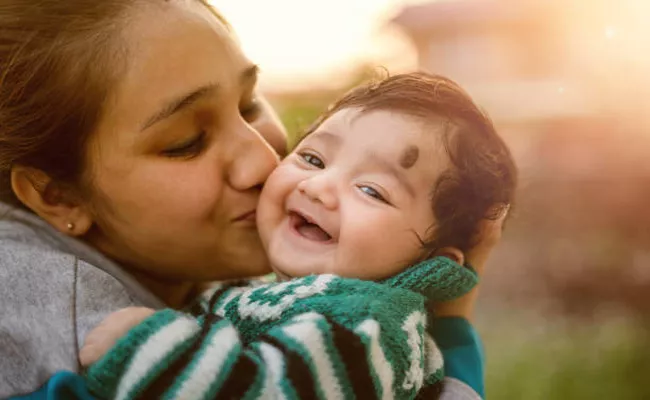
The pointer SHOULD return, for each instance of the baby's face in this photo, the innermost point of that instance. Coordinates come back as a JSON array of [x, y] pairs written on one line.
[[353, 198]]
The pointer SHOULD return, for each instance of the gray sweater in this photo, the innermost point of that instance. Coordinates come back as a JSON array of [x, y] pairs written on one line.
[[54, 290]]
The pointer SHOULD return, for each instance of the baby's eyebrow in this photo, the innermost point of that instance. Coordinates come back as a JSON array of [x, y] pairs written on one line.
[[409, 157], [327, 138]]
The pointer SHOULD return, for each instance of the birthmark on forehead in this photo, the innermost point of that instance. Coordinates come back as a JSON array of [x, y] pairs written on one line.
[[409, 157]]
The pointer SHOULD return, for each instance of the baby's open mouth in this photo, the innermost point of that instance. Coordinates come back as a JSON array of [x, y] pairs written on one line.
[[308, 229]]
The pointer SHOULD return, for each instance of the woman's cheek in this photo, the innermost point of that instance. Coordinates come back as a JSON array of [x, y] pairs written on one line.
[[188, 189]]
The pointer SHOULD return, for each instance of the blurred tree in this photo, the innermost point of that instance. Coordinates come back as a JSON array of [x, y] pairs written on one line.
[[298, 110]]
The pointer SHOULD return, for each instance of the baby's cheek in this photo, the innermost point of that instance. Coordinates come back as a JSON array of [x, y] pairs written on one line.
[[269, 213], [378, 253]]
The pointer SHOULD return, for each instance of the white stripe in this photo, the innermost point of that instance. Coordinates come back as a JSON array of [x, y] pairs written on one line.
[[274, 362], [382, 367], [308, 317], [432, 355], [213, 356], [309, 335], [262, 310], [415, 374], [152, 352], [232, 293], [278, 288]]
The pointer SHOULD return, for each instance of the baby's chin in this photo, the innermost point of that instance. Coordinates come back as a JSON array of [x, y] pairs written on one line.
[[281, 275], [284, 273]]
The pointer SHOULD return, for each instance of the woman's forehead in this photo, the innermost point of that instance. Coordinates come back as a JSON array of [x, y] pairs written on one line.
[[171, 51]]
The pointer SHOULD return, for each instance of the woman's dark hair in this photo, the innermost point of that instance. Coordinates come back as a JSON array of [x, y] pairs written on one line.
[[59, 60], [482, 177]]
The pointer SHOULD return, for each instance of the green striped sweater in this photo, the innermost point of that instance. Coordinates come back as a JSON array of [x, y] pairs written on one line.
[[317, 337]]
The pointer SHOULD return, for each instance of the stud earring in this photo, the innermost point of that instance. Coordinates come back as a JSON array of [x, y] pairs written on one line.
[[70, 226]]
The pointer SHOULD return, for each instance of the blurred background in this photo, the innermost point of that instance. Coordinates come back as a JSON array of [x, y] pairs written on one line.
[[565, 304]]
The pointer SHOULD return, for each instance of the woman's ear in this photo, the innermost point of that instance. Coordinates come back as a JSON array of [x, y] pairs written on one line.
[[38, 192], [452, 253]]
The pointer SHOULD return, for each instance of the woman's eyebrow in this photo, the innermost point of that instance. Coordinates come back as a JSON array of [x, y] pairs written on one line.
[[177, 104], [247, 77]]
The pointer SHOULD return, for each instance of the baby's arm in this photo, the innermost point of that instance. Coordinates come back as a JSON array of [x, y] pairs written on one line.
[[338, 352]]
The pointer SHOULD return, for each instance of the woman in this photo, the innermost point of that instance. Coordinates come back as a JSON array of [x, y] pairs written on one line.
[[133, 146]]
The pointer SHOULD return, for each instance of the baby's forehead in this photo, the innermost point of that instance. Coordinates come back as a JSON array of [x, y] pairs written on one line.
[[404, 139]]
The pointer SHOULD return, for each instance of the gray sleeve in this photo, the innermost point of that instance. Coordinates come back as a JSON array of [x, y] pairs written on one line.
[[456, 390], [50, 302], [97, 295]]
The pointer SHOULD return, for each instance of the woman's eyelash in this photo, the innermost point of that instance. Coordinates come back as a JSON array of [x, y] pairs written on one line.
[[251, 111], [190, 148]]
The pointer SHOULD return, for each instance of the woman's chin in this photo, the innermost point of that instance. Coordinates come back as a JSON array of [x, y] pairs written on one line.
[[251, 265]]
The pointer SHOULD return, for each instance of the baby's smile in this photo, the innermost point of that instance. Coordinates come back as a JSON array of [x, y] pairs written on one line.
[[306, 227]]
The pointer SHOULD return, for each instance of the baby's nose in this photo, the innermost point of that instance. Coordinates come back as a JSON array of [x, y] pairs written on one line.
[[320, 190]]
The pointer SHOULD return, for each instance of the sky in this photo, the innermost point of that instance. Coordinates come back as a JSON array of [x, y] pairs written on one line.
[[304, 42]]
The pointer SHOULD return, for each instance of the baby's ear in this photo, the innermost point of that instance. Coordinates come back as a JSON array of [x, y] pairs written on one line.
[[452, 253], [437, 279]]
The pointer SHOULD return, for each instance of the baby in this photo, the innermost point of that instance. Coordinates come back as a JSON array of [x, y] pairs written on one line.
[[379, 200]]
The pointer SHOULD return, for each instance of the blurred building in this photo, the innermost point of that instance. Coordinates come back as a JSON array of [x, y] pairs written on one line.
[[548, 72], [567, 83]]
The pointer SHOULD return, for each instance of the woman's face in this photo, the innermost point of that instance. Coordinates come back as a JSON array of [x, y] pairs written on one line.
[[177, 163]]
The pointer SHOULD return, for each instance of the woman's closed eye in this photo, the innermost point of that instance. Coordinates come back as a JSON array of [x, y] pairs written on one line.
[[372, 192], [251, 111], [188, 149]]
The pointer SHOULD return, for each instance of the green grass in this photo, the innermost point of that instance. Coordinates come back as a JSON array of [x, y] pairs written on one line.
[[606, 361], [298, 118]]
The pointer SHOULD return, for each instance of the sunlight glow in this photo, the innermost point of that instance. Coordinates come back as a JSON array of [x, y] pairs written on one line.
[[299, 43], [296, 41]]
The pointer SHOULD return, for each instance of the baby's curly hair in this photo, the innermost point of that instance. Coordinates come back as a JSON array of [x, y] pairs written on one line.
[[482, 178]]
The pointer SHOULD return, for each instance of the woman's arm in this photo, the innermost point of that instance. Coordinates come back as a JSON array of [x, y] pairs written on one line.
[[63, 385], [452, 330], [50, 300], [461, 350], [488, 237]]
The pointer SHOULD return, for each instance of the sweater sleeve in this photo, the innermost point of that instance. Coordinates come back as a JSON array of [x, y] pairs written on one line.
[[462, 351], [63, 385], [172, 355]]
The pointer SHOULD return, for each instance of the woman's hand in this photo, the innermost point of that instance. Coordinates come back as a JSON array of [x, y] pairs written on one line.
[[112, 328], [488, 236]]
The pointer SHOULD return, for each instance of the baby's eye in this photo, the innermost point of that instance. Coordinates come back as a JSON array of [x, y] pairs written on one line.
[[313, 160], [372, 192]]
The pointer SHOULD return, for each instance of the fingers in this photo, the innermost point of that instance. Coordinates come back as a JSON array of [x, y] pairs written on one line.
[[490, 229], [101, 339], [93, 348], [488, 235]]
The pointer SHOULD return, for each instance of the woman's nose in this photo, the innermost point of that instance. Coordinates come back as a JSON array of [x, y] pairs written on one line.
[[321, 189], [270, 127], [251, 161]]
